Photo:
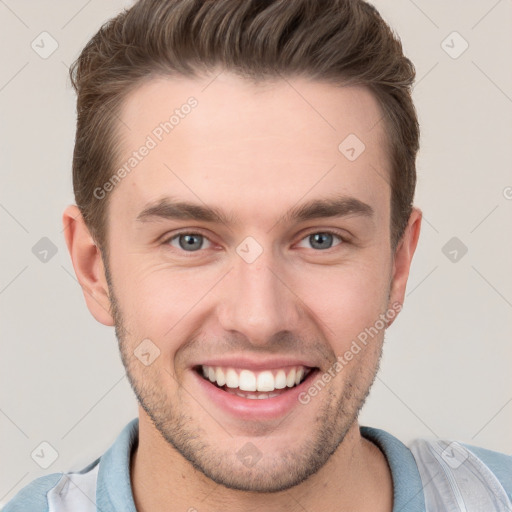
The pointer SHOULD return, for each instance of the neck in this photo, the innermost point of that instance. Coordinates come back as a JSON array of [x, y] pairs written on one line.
[[356, 477]]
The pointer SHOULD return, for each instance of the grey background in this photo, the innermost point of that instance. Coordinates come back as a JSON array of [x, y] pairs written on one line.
[[446, 366]]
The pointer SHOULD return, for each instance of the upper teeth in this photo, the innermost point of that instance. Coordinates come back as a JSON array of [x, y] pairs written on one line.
[[247, 380]]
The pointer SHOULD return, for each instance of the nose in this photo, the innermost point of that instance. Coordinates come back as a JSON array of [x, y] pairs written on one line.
[[258, 300]]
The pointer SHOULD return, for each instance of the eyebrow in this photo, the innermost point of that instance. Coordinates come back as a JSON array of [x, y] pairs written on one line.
[[338, 206]]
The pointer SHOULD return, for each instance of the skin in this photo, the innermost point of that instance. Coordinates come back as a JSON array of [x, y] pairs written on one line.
[[253, 151]]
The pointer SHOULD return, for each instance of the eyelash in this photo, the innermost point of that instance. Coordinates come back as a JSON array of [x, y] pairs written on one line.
[[167, 241]]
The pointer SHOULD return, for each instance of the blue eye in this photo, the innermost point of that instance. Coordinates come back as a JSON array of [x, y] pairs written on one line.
[[321, 240], [189, 242]]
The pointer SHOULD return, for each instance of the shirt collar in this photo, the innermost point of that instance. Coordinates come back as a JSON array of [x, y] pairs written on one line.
[[407, 486], [114, 490]]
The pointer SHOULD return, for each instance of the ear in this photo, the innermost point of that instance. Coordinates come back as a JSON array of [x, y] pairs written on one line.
[[88, 265], [403, 258]]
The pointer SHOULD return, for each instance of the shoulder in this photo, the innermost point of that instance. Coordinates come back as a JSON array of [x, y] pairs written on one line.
[[461, 465], [499, 463], [58, 492], [72, 491], [33, 497]]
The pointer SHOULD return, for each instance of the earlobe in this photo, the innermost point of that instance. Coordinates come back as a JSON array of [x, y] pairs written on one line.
[[88, 265], [403, 258]]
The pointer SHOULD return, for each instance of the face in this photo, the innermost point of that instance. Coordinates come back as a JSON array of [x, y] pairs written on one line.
[[246, 249]]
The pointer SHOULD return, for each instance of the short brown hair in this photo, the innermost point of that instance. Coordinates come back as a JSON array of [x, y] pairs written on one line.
[[339, 41]]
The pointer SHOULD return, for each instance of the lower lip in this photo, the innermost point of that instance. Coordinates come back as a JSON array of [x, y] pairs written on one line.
[[255, 409]]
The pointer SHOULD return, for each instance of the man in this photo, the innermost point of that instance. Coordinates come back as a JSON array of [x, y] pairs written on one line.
[[244, 174]]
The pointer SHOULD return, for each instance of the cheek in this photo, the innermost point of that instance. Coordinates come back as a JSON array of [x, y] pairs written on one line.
[[347, 301], [156, 300]]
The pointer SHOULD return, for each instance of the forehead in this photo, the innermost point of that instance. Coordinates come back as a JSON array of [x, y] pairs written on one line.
[[224, 139]]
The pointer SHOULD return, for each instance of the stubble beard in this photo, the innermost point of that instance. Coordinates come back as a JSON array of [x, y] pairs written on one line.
[[274, 472]]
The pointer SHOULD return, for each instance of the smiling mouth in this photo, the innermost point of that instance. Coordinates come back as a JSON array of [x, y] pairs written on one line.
[[254, 384]]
